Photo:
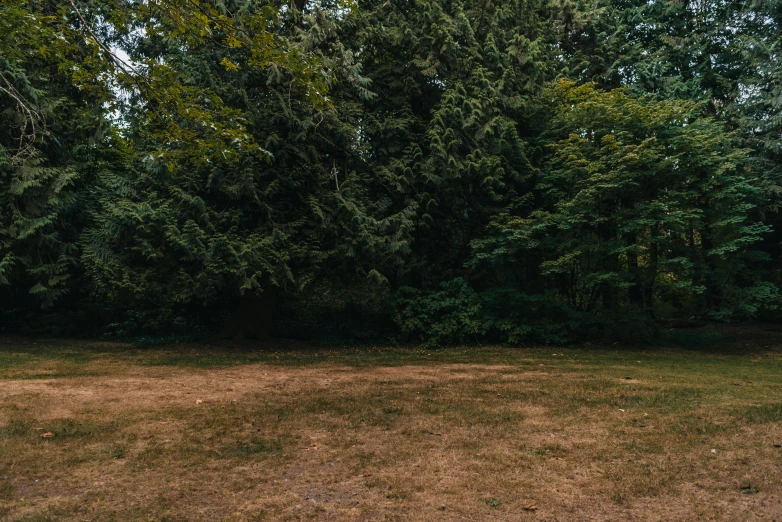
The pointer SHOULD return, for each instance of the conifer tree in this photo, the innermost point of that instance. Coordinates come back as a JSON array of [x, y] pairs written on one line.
[[51, 121], [453, 81], [216, 221]]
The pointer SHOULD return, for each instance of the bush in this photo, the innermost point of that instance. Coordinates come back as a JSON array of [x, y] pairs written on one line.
[[451, 315]]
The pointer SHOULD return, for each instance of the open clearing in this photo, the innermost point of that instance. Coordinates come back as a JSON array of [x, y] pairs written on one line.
[[92, 431]]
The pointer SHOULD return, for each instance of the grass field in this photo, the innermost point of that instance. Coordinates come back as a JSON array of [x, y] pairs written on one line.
[[92, 431]]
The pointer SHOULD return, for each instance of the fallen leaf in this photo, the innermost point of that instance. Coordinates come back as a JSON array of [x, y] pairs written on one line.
[[47, 435]]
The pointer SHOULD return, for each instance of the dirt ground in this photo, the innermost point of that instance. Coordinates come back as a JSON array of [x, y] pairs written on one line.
[[504, 434]]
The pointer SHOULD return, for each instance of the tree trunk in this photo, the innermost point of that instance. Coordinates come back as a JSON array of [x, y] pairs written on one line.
[[713, 288], [635, 292], [648, 287], [610, 263], [697, 261]]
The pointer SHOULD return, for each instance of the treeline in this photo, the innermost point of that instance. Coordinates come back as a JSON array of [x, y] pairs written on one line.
[[422, 170]]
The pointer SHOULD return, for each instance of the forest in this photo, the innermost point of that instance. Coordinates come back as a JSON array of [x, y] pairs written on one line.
[[415, 171]]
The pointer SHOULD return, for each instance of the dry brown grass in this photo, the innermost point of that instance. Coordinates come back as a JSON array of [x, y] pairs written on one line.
[[198, 433]]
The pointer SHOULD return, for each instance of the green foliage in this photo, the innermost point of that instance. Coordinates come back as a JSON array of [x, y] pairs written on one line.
[[200, 229], [49, 128], [451, 315], [646, 208], [518, 171], [453, 81], [457, 314]]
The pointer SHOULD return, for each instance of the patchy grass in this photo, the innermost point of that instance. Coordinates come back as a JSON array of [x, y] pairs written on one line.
[[101, 431]]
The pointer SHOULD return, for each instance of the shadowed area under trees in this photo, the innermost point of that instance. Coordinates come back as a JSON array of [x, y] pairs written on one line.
[[419, 171]]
